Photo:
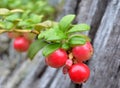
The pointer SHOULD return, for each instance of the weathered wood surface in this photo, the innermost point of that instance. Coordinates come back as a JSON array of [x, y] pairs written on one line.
[[105, 64], [104, 17]]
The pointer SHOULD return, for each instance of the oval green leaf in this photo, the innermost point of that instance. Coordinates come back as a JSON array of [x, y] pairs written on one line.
[[65, 22], [79, 28], [50, 48], [4, 11], [52, 35], [35, 47], [65, 46], [77, 40]]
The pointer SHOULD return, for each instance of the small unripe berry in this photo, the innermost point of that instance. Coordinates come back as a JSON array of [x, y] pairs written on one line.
[[68, 63]]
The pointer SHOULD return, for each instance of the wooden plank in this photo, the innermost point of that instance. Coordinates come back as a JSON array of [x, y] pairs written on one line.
[[105, 64], [46, 79], [60, 81]]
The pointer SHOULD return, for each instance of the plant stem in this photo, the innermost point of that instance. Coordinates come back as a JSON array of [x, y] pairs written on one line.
[[19, 30]]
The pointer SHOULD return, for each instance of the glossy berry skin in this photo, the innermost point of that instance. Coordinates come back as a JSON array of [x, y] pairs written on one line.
[[57, 58], [21, 44], [79, 73], [83, 52]]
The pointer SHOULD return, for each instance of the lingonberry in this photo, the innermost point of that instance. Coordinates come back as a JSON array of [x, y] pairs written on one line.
[[79, 73], [57, 58], [83, 52], [21, 44]]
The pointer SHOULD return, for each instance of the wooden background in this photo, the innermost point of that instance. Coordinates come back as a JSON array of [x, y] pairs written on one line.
[[104, 17]]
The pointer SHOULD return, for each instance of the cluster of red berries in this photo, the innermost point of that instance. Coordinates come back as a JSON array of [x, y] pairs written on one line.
[[72, 61], [21, 41]]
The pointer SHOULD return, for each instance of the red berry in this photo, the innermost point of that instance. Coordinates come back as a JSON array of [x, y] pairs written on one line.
[[83, 52], [21, 44], [79, 73], [57, 58], [68, 63]]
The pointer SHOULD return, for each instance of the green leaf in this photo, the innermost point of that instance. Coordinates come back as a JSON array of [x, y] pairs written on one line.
[[26, 14], [12, 17], [16, 21], [79, 28], [50, 48], [82, 36], [9, 25], [25, 24], [65, 22], [52, 35], [65, 46], [77, 40], [36, 18], [45, 25], [4, 11], [42, 34], [35, 47], [85, 37], [2, 25]]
